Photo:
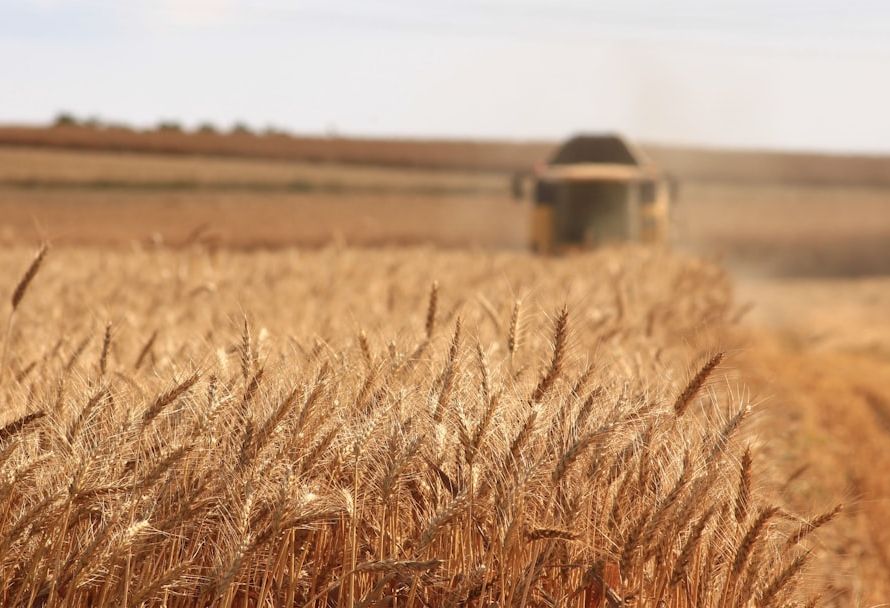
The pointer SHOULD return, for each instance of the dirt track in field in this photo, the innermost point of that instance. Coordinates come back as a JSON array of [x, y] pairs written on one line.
[[818, 352]]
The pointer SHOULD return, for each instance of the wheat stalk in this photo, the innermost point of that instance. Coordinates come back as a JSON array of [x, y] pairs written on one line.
[[17, 294], [743, 493], [560, 331], [430, 325], [695, 384]]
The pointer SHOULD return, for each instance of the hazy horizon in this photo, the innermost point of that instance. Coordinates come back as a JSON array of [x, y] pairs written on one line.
[[782, 75]]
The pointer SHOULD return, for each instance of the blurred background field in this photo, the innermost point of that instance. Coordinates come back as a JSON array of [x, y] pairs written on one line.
[[763, 213]]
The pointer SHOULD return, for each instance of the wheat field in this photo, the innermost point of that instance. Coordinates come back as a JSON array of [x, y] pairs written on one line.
[[382, 427]]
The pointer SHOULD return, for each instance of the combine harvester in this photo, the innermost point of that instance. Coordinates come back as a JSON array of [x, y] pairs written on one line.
[[595, 189]]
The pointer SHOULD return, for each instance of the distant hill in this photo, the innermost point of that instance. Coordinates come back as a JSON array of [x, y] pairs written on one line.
[[483, 155]]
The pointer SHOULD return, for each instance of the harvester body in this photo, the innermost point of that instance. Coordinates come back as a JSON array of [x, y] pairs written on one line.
[[596, 190]]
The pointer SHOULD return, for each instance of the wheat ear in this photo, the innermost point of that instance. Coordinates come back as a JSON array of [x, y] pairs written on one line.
[[17, 295], [694, 385]]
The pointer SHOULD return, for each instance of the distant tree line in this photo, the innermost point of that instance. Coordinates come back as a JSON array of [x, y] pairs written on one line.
[[67, 119]]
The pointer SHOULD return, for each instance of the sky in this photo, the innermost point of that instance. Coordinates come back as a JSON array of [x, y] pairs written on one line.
[[780, 74]]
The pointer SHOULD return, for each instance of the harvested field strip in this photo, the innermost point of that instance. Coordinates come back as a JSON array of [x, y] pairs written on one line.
[[30, 167], [247, 186], [452, 154]]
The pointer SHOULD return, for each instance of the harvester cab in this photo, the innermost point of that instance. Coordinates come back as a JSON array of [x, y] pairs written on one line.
[[595, 190]]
